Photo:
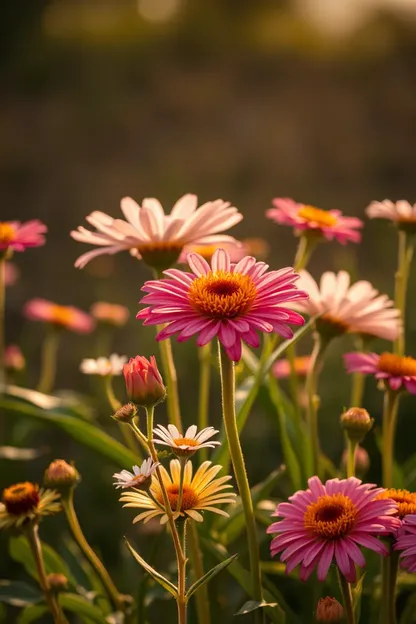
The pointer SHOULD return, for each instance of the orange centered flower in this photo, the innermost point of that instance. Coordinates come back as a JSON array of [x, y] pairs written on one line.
[[396, 365], [61, 315], [222, 295], [331, 517], [189, 496], [406, 501], [7, 233], [187, 441], [21, 498], [316, 215]]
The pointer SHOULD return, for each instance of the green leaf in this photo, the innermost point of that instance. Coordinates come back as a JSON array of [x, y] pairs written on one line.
[[252, 605], [279, 351], [18, 594], [210, 575], [21, 454], [20, 551], [84, 432], [81, 606], [31, 614], [170, 587]]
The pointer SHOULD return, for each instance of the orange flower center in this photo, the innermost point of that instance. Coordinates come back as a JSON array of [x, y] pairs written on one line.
[[222, 295], [396, 365], [61, 315], [318, 216], [302, 364], [331, 517], [206, 251], [21, 498], [186, 441], [7, 233], [189, 496], [406, 501]]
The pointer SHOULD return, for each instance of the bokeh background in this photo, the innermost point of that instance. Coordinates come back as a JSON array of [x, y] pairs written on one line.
[[310, 99]]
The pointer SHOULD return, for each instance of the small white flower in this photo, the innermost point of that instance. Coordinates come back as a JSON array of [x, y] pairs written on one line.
[[103, 366], [186, 444], [139, 478]]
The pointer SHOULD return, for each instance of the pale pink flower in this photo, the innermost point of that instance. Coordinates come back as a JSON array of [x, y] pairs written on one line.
[[395, 370], [144, 383], [330, 224], [281, 368], [231, 301], [188, 443], [12, 274], [110, 313], [139, 479], [148, 230], [14, 360], [66, 317], [328, 522], [401, 212], [20, 236], [356, 308], [406, 542]]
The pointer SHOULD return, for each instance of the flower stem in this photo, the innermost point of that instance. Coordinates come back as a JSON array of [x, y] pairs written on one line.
[[304, 251], [393, 563], [351, 448], [115, 404], [169, 372], [2, 318], [204, 386], [405, 254], [347, 598], [48, 364], [182, 601], [182, 461], [390, 409], [68, 507], [228, 406], [201, 596], [35, 546], [313, 400], [385, 591]]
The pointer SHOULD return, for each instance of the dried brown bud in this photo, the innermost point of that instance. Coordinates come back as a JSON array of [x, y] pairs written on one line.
[[57, 582], [329, 610], [126, 413], [61, 476], [356, 423]]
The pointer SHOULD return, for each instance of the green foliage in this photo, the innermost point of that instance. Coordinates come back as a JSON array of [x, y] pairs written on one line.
[[20, 551], [19, 594]]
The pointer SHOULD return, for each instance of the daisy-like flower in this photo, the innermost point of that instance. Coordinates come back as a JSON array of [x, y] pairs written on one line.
[[16, 236], [103, 366], [25, 502], [281, 368], [140, 477], [110, 313], [188, 444], [65, 317], [402, 213], [157, 238], [395, 370], [406, 501], [231, 301], [406, 542], [201, 492], [328, 522], [329, 224], [346, 308]]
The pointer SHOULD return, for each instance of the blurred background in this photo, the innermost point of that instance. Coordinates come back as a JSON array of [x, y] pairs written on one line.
[[243, 100]]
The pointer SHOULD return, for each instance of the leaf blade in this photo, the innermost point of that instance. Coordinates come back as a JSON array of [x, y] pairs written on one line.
[[210, 575], [162, 580]]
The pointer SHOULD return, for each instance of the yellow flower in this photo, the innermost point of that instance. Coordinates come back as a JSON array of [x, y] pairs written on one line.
[[25, 502]]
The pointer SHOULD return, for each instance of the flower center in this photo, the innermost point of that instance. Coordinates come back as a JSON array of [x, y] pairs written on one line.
[[189, 496], [61, 315], [206, 251], [331, 327], [7, 233], [185, 442], [396, 365], [160, 254], [222, 295], [406, 501], [331, 517], [21, 498], [322, 218]]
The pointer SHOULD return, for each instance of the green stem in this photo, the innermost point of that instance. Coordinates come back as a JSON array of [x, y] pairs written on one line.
[[357, 389], [228, 406], [393, 562], [169, 373], [405, 254], [304, 251], [390, 410], [182, 461], [347, 598], [126, 432], [78, 535], [204, 387], [351, 448], [2, 318], [201, 596], [385, 591], [48, 364], [181, 600], [313, 400]]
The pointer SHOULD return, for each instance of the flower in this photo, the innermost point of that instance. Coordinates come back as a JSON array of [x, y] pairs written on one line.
[[231, 301], [61, 475], [395, 370], [281, 368], [103, 366], [140, 477], [330, 224], [12, 274], [25, 502], [153, 236], [144, 383], [236, 249], [201, 492], [328, 522], [110, 313], [14, 360], [188, 444], [401, 212], [66, 317], [356, 423], [406, 501], [16, 236], [406, 542], [329, 610], [358, 309]]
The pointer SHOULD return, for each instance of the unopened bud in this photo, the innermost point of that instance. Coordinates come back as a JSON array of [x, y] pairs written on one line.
[[144, 383], [126, 413], [356, 423], [57, 582], [329, 610], [61, 476]]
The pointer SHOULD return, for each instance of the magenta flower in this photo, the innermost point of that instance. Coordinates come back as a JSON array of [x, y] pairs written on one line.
[[144, 383], [65, 317], [327, 523], [231, 301], [19, 236], [406, 542], [330, 224], [395, 370]]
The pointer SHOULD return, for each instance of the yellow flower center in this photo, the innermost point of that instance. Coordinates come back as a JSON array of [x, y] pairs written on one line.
[[186, 441], [21, 498], [189, 496], [302, 364], [7, 233], [396, 365], [406, 501], [318, 216], [61, 315], [222, 295], [331, 517]]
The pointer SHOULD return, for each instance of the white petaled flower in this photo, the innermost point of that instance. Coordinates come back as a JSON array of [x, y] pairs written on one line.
[[139, 478], [358, 308], [157, 238], [400, 212], [103, 366], [186, 444]]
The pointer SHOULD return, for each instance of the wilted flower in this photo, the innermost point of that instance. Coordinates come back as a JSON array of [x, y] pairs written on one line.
[[103, 366], [329, 610], [66, 317], [144, 383], [281, 368], [140, 478], [14, 360], [406, 542], [125, 413], [406, 501], [25, 502], [60, 475], [395, 370], [201, 491], [18, 236], [110, 313], [188, 444], [402, 213], [356, 423]]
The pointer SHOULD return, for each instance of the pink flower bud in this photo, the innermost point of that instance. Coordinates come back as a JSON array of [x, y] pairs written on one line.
[[144, 383]]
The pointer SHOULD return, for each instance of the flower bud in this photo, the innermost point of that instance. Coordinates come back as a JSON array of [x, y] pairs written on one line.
[[61, 476], [57, 582], [125, 413], [356, 423], [329, 610], [14, 360], [144, 383]]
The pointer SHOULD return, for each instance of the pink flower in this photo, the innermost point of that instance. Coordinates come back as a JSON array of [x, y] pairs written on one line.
[[281, 368], [66, 317], [401, 212], [110, 313], [144, 383], [158, 238], [329, 224], [328, 522], [346, 308], [395, 370], [231, 301], [12, 274], [406, 542], [14, 360], [19, 236]]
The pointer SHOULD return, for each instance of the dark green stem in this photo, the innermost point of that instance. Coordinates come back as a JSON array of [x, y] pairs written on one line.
[[347, 598], [313, 400], [181, 600]]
